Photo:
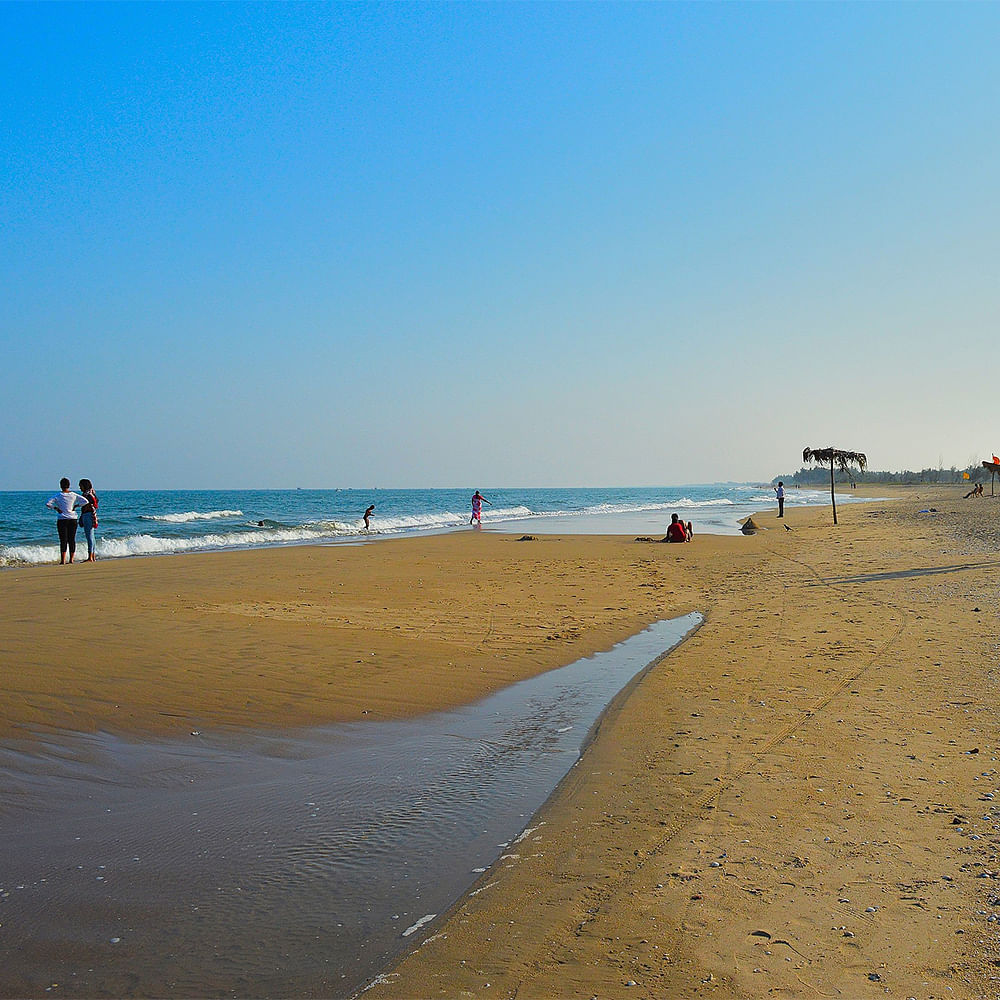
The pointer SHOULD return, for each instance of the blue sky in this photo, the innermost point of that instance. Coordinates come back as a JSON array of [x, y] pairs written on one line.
[[515, 244]]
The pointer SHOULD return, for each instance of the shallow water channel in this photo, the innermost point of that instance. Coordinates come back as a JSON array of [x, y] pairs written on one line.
[[296, 865]]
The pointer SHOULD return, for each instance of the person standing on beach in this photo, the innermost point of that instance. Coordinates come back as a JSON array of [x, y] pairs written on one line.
[[779, 492], [477, 507], [88, 516], [368, 515], [65, 503]]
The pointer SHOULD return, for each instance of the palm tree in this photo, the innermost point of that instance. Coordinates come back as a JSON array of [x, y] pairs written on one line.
[[835, 457]]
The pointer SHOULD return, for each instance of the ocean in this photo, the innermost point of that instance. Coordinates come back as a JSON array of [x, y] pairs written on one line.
[[169, 522]]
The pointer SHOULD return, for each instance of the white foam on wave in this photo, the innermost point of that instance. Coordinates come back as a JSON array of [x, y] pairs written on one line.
[[191, 515], [443, 519], [521, 513], [148, 545], [686, 502], [313, 531], [109, 547], [639, 508], [20, 555], [142, 545]]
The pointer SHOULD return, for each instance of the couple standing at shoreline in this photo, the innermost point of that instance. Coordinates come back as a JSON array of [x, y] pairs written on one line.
[[65, 503]]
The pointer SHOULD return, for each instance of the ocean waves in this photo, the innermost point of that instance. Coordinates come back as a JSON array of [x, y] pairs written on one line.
[[109, 547], [26, 555], [632, 508], [191, 515], [250, 535], [136, 523]]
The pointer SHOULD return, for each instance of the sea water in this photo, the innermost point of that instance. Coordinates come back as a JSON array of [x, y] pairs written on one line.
[[134, 522]]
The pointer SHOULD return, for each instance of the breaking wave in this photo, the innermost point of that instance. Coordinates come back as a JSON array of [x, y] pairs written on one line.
[[191, 515]]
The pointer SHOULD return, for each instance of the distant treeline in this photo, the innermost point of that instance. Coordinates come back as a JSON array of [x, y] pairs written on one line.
[[820, 476]]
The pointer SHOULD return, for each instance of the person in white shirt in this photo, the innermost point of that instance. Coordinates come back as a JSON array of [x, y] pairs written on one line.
[[779, 492], [65, 504]]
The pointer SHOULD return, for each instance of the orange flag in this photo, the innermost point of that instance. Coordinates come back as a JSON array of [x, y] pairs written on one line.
[[996, 461]]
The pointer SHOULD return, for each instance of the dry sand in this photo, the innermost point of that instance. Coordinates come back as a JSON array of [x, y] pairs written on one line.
[[284, 637], [797, 802]]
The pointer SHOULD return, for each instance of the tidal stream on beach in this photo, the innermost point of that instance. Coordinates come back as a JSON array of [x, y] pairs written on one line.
[[297, 864]]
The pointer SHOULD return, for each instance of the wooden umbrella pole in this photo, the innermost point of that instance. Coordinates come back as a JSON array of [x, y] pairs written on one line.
[[833, 492]]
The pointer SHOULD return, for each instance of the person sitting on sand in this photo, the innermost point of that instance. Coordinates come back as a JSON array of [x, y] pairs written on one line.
[[689, 527], [676, 532], [368, 516]]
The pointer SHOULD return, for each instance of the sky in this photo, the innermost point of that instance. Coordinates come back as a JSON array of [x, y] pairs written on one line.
[[519, 244]]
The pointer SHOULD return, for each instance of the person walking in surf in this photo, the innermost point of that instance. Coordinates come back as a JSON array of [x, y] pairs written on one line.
[[477, 508]]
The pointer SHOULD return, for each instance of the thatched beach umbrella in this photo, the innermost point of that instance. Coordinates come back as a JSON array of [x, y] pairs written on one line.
[[994, 468], [843, 460]]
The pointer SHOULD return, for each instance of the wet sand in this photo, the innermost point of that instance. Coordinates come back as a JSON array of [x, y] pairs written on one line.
[[792, 804]]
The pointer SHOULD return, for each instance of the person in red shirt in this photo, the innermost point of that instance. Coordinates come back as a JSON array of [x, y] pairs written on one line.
[[676, 532]]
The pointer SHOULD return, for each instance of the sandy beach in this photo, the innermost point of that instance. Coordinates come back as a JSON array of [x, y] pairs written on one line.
[[796, 802], [293, 636]]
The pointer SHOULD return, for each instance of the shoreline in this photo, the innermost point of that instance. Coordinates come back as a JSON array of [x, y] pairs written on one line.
[[239, 522]]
